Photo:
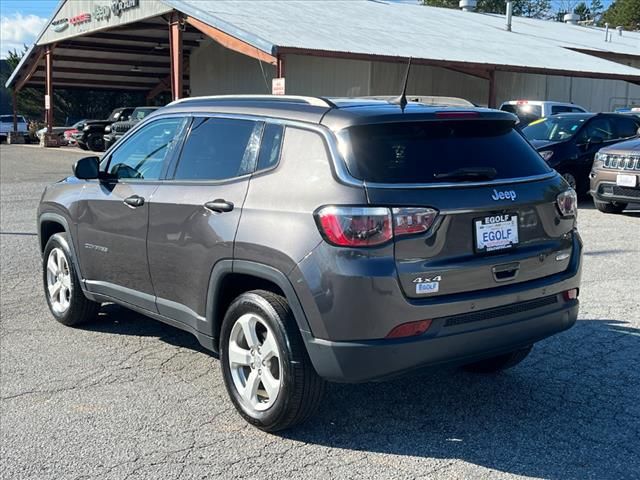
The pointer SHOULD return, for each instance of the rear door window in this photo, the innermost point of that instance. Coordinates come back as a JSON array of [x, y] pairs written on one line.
[[561, 109], [270, 146], [421, 152], [625, 127], [600, 128], [218, 149]]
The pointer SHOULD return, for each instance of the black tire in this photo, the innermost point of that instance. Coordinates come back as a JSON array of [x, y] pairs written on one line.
[[301, 389], [80, 309], [83, 146], [580, 183], [95, 143], [608, 207], [499, 363]]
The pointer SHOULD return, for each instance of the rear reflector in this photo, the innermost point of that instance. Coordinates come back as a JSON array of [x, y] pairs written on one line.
[[410, 329], [570, 294], [457, 115]]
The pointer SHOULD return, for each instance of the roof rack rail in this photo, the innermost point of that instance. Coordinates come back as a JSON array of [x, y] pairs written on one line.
[[315, 101]]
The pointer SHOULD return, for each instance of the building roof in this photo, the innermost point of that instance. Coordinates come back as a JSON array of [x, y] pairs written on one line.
[[374, 27], [363, 29]]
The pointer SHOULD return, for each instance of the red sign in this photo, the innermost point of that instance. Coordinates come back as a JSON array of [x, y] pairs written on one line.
[[80, 19]]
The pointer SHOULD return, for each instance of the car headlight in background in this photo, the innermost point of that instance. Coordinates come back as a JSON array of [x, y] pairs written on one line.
[[599, 160], [546, 154], [107, 129]]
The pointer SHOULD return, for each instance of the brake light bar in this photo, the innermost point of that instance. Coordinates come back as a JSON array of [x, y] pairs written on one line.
[[345, 226], [449, 115]]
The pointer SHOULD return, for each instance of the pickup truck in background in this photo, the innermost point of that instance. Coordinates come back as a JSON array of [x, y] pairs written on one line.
[[6, 126]]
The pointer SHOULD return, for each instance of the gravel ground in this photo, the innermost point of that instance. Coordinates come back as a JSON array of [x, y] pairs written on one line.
[[128, 397]]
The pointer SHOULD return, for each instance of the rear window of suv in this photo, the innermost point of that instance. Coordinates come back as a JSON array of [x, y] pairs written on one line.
[[420, 152]]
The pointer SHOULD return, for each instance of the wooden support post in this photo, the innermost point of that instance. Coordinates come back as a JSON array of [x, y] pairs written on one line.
[[15, 110], [492, 89], [175, 43], [280, 66], [48, 99]]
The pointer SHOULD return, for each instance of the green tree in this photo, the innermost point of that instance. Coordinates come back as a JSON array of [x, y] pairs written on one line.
[[523, 8], [582, 10], [596, 9], [30, 100], [625, 13]]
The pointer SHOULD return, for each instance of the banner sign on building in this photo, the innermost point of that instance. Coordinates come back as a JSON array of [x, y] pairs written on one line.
[[76, 17]]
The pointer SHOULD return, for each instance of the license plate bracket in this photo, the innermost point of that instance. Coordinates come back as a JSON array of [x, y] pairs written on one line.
[[495, 233], [623, 180]]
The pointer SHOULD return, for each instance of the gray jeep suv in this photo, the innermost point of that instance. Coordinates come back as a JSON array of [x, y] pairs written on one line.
[[309, 239]]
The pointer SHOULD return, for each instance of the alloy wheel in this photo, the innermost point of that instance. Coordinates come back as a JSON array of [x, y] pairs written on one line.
[[58, 281], [254, 360]]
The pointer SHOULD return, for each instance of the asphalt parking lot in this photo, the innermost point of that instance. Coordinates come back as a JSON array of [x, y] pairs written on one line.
[[128, 397]]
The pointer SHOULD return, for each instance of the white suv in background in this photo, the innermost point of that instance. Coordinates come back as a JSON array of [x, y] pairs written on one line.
[[528, 111]]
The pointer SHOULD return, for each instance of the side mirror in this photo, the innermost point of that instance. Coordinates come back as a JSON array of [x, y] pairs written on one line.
[[87, 168]]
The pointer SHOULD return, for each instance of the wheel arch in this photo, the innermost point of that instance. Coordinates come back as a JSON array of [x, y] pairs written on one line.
[[230, 278], [48, 225]]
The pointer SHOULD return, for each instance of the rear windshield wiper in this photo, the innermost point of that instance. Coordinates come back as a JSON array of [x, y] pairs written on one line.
[[484, 173]]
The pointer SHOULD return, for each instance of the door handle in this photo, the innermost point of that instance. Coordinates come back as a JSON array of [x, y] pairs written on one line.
[[505, 272], [134, 201], [219, 206]]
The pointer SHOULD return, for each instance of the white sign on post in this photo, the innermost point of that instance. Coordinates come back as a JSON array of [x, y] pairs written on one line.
[[277, 86], [47, 102]]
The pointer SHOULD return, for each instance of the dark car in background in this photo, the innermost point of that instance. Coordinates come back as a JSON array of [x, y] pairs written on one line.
[[615, 177], [569, 142], [115, 131], [90, 135]]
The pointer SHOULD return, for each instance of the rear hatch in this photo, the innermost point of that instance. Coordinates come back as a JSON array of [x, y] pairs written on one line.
[[498, 219]]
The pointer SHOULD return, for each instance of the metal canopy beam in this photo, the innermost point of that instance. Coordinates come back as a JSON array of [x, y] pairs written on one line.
[[108, 73], [95, 81], [111, 48], [113, 61], [232, 43], [31, 70], [139, 39]]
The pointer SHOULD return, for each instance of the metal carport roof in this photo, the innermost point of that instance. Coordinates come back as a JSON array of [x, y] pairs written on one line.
[[365, 29]]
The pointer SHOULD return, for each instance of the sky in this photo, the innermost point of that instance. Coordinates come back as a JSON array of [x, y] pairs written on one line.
[[22, 20]]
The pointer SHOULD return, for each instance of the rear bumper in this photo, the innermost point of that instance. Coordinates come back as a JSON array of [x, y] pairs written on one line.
[[446, 342], [488, 323]]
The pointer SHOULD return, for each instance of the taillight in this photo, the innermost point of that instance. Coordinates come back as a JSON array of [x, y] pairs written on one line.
[[371, 226], [567, 202], [570, 294], [355, 226], [409, 329], [407, 221]]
